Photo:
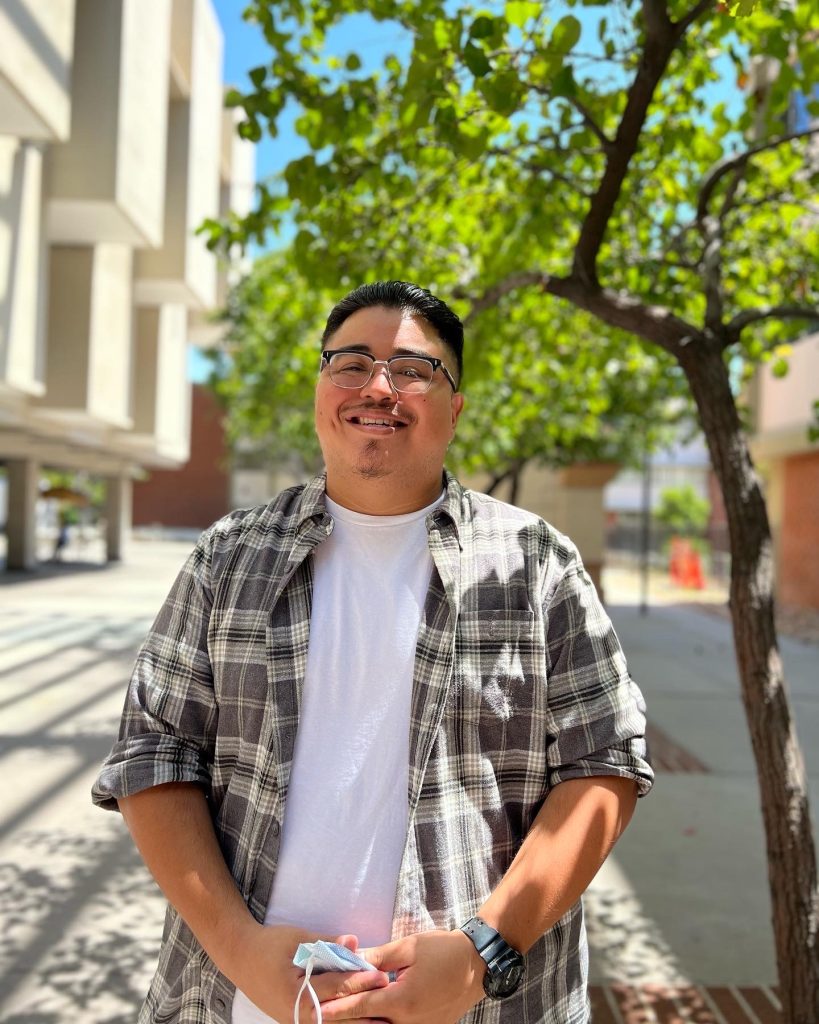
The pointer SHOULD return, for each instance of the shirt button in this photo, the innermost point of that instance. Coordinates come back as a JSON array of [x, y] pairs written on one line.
[[219, 1004], [275, 828]]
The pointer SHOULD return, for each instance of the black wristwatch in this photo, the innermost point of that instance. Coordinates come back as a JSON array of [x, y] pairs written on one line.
[[504, 965]]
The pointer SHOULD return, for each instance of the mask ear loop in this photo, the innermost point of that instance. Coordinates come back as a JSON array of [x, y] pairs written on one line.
[[308, 970]]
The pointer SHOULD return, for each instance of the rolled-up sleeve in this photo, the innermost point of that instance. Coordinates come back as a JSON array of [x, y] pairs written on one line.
[[596, 712], [169, 720]]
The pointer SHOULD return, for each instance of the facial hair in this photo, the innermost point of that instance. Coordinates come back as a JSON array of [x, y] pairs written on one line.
[[371, 463]]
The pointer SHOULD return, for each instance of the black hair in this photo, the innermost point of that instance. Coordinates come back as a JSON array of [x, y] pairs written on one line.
[[409, 297]]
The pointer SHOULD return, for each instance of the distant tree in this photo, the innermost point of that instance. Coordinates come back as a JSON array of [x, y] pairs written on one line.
[[611, 159], [683, 511]]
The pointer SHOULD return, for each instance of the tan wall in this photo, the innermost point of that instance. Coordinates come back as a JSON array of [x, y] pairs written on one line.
[[182, 29], [144, 115], [784, 405], [107, 182], [69, 327], [161, 417], [183, 270], [110, 336], [22, 267], [35, 68], [89, 336]]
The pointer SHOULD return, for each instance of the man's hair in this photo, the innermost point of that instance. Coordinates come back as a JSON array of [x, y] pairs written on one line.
[[409, 297]]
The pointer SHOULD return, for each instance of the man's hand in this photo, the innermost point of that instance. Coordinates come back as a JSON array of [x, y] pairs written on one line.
[[263, 969], [439, 979], [172, 827]]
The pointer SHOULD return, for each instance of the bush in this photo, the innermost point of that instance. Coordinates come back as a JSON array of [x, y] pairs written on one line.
[[683, 511]]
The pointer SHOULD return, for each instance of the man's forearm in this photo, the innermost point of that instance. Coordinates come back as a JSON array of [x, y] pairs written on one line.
[[172, 827], [570, 838]]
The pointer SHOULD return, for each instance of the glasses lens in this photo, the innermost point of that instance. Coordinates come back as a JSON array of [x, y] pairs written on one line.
[[350, 369], [411, 374], [353, 370]]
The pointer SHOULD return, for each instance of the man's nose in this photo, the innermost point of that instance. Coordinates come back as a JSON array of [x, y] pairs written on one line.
[[379, 385]]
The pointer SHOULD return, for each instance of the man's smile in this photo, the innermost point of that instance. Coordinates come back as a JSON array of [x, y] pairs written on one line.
[[375, 422]]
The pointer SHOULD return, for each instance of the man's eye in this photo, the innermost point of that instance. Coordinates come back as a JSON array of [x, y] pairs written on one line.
[[350, 366], [410, 372]]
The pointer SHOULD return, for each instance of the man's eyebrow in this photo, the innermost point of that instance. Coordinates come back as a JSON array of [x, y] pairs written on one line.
[[367, 349]]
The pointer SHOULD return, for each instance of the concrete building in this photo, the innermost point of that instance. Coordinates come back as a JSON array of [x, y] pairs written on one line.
[[789, 463], [114, 146]]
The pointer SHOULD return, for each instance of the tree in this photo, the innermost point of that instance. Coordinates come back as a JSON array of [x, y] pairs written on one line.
[[683, 511], [604, 154], [538, 389]]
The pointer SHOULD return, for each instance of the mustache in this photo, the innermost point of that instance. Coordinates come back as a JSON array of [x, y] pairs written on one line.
[[392, 407]]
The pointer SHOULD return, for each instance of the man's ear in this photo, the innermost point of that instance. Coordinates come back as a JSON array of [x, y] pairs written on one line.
[[457, 406]]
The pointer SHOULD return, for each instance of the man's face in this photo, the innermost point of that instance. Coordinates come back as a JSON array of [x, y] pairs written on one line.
[[409, 441]]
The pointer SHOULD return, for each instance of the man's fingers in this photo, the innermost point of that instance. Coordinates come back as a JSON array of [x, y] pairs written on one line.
[[363, 1006], [335, 984], [389, 957], [349, 941]]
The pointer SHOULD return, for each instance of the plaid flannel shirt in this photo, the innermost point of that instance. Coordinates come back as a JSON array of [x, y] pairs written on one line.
[[519, 683]]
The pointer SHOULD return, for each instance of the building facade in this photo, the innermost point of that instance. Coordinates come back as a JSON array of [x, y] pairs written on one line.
[[789, 463], [114, 147]]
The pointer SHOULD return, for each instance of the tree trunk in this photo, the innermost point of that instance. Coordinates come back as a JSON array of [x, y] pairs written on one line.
[[780, 766]]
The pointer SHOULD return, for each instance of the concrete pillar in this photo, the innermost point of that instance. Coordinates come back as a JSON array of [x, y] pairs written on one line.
[[117, 516], [23, 483], [583, 513]]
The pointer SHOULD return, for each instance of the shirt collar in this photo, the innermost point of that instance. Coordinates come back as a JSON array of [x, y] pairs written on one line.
[[453, 509]]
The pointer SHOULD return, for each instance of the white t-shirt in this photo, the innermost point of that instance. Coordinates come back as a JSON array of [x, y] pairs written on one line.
[[345, 820]]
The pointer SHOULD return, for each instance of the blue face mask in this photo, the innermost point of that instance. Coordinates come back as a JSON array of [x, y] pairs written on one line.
[[324, 956]]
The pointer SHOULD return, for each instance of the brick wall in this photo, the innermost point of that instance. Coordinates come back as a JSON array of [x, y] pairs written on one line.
[[198, 493], [799, 537]]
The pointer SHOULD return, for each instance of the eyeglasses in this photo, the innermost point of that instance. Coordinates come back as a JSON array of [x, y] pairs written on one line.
[[409, 374]]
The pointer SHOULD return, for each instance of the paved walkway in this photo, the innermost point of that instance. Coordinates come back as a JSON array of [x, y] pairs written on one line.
[[678, 917]]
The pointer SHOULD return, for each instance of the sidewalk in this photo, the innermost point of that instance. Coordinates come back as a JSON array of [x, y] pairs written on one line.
[[678, 917]]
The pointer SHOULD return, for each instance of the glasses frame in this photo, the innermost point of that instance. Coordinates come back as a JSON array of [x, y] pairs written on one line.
[[434, 362]]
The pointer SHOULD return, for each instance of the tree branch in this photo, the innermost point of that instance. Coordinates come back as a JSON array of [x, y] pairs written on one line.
[[739, 160], [661, 39], [752, 316], [492, 296], [653, 323], [687, 20], [590, 122], [711, 272], [574, 185], [729, 200]]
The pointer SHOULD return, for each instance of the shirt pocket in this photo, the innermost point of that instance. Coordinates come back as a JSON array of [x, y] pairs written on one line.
[[493, 674]]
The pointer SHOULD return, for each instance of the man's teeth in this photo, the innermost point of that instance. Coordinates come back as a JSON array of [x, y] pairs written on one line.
[[370, 421]]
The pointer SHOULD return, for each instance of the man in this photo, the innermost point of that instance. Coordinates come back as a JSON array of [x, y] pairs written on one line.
[[382, 710]]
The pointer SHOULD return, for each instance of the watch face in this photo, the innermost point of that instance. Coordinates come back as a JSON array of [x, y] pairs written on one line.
[[505, 980]]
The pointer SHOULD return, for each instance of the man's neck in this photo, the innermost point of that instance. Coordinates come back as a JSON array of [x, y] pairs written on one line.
[[382, 497]]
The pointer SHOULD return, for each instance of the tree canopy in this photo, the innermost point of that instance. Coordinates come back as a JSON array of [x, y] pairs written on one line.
[[476, 161]]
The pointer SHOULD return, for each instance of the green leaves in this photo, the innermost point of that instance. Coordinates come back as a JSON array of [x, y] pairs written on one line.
[[476, 60], [741, 8], [566, 34], [503, 91], [518, 12], [488, 28]]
